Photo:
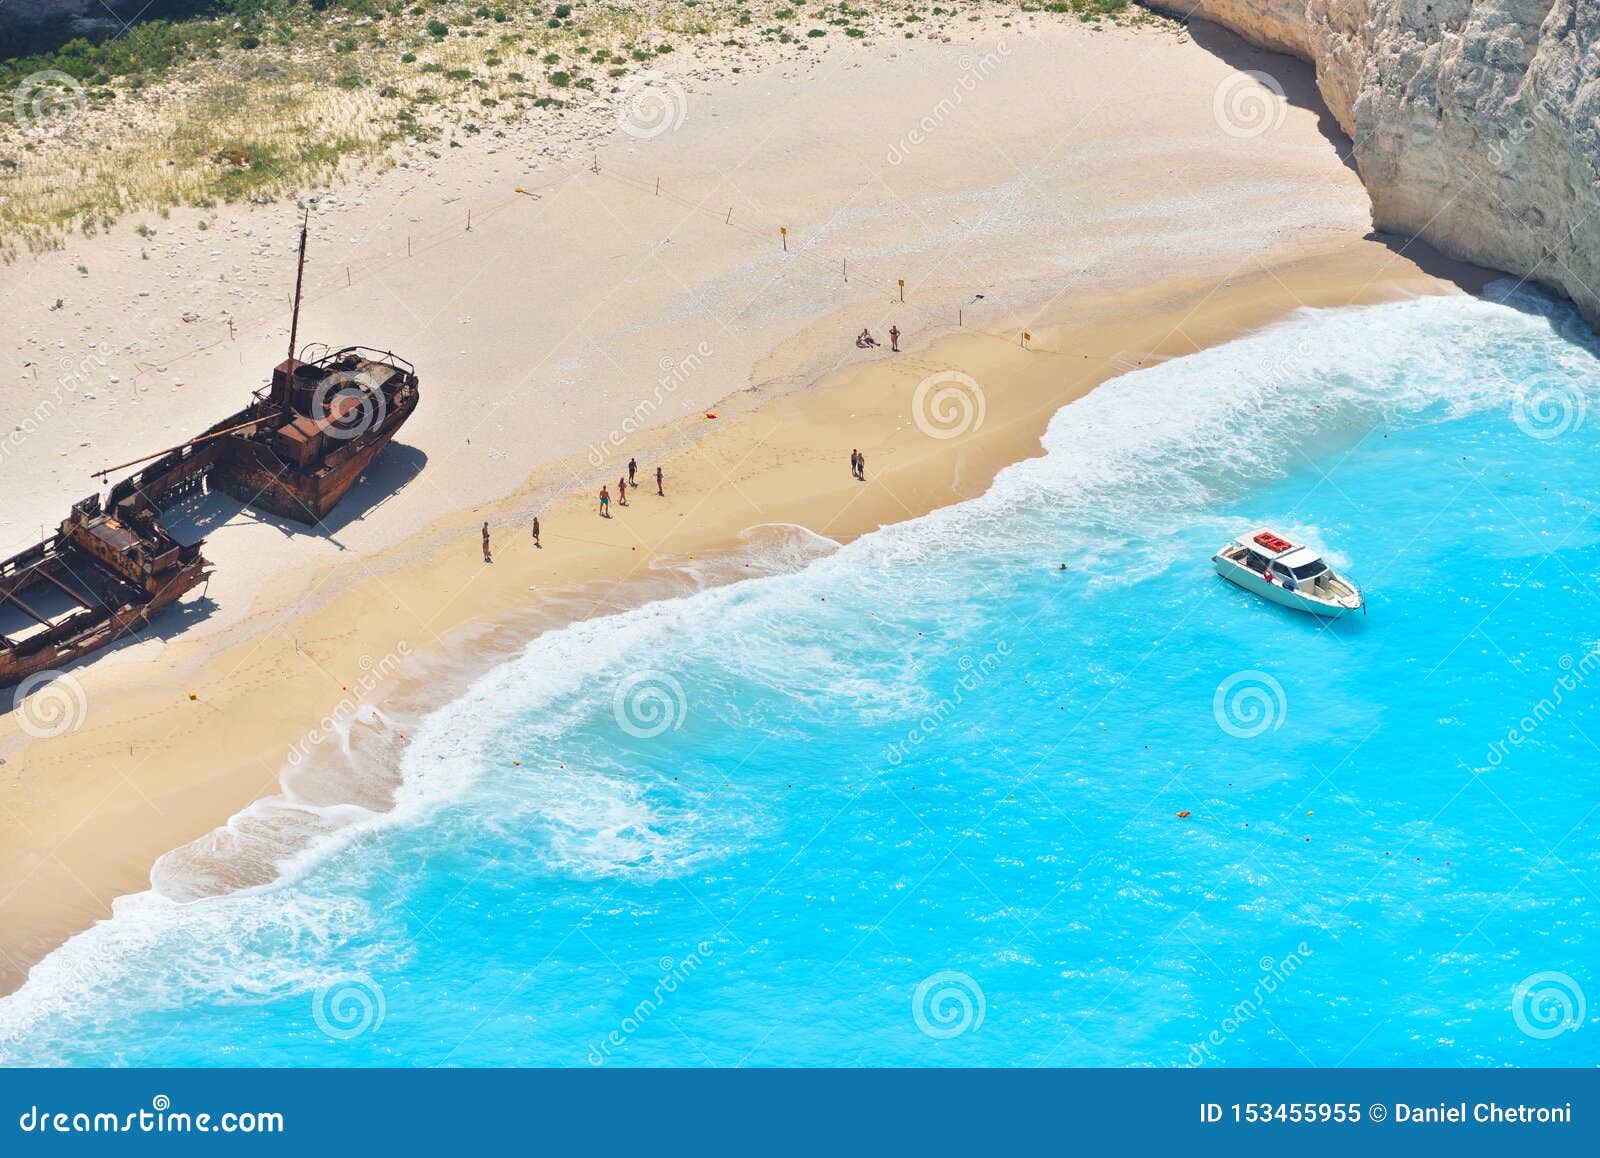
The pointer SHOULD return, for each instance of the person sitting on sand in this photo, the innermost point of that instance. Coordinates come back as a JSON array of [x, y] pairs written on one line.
[[605, 502], [865, 340]]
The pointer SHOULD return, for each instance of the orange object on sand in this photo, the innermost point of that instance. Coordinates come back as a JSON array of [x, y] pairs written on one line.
[[711, 413]]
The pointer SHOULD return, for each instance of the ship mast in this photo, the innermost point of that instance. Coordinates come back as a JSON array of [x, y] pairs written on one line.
[[299, 276]]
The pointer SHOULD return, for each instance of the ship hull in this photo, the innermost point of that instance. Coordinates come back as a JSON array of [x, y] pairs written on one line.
[[250, 471], [89, 629]]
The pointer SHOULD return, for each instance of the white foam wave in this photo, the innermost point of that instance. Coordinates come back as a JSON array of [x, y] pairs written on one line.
[[1149, 451]]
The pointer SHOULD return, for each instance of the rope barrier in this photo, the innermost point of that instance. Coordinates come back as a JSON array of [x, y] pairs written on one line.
[[428, 243]]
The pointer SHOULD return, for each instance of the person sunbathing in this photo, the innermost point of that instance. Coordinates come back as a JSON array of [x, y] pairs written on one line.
[[865, 340]]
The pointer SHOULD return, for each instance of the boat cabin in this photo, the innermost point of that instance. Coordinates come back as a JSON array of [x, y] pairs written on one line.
[[1269, 554]]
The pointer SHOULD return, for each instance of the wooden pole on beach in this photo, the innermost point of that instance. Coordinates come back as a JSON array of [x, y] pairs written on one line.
[[846, 268], [902, 289], [469, 220], [783, 231], [658, 186], [408, 247], [728, 220], [961, 318], [1025, 339]]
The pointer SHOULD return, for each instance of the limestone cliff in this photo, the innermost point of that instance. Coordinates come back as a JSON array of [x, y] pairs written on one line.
[[1474, 122]]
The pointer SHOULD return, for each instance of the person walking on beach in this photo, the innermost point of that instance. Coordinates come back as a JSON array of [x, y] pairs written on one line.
[[622, 492], [605, 502], [894, 339], [633, 469], [861, 466], [536, 542], [487, 558], [855, 464], [659, 491]]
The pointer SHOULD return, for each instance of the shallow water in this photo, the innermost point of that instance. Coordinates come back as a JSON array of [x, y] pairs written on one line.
[[918, 802]]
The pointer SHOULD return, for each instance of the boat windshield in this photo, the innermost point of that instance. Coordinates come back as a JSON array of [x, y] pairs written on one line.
[[1309, 570]]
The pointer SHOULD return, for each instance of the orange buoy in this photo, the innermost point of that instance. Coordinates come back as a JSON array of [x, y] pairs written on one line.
[[1184, 815]]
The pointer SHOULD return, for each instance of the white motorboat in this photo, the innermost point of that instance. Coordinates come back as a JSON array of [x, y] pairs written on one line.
[[1295, 576]]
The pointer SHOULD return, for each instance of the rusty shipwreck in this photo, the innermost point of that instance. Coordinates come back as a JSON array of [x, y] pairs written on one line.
[[295, 450]]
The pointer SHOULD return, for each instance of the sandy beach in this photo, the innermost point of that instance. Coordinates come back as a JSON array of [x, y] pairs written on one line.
[[1085, 187]]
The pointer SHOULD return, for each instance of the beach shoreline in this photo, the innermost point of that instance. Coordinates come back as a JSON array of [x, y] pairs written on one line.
[[600, 306], [171, 748]]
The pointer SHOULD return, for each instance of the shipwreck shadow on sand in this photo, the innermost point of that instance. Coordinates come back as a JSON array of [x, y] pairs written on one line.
[[203, 514], [1295, 77]]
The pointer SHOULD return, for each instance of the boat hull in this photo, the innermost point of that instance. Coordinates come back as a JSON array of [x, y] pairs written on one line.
[[91, 628], [1277, 593], [251, 473]]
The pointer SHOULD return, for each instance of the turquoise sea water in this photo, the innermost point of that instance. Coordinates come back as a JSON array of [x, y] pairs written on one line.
[[919, 802]]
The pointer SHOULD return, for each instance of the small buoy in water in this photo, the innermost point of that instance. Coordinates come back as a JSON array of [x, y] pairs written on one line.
[[1184, 815], [518, 763]]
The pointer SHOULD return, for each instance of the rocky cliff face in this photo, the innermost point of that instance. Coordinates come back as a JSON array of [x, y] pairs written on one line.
[[1474, 121]]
